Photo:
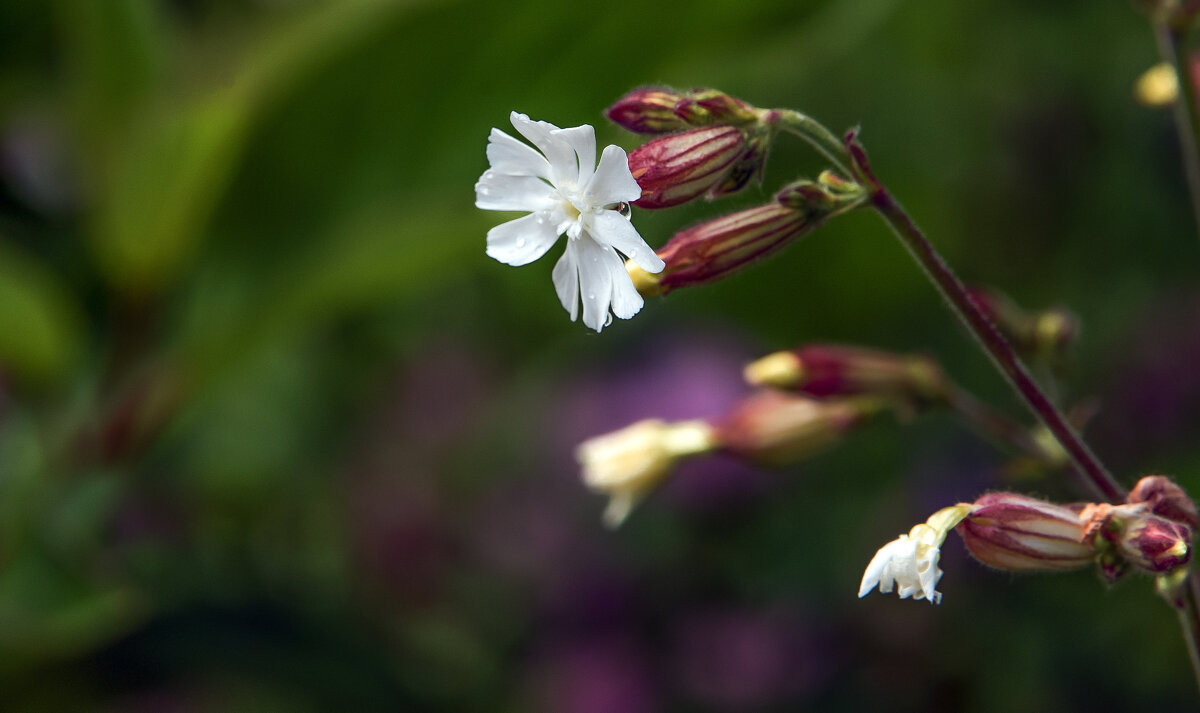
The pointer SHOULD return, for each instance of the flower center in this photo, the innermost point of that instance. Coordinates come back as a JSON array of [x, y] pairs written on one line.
[[572, 214]]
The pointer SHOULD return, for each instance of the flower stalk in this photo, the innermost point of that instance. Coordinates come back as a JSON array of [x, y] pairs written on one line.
[[1093, 474], [1169, 37]]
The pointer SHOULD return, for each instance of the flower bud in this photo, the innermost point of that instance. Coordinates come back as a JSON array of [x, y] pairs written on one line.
[[711, 250], [749, 166], [824, 370], [629, 463], [703, 107], [648, 111], [1155, 544], [774, 428], [1158, 86], [1045, 334], [675, 169], [1165, 499], [1015, 532]]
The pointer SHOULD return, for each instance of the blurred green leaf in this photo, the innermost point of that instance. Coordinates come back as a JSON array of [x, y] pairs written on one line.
[[167, 173], [40, 320]]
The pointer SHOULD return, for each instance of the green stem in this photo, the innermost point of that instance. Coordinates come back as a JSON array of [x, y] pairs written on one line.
[[821, 139], [1189, 621], [1170, 47]]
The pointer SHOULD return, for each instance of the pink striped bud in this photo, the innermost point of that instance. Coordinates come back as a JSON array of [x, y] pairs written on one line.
[[1165, 499], [648, 111], [825, 370], [675, 169], [775, 428], [1155, 544], [709, 251], [1015, 532]]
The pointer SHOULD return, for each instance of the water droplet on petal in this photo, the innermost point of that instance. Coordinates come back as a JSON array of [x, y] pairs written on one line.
[[591, 295], [520, 242], [484, 190]]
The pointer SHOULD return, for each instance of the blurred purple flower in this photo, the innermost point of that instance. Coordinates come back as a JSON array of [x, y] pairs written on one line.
[[1155, 399], [602, 675], [738, 660]]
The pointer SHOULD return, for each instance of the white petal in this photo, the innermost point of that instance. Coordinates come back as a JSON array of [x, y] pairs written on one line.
[[564, 166], [566, 281], [595, 282], [515, 158], [611, 228], [521, 241], [626, 301], [496, 191], [613, 183], [582, 140]]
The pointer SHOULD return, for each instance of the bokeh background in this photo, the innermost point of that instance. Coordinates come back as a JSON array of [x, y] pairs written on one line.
[[275, 434]]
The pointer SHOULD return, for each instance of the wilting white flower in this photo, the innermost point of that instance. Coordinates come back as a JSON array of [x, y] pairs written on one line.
[[563, 194], [629, 463], [910, 562]]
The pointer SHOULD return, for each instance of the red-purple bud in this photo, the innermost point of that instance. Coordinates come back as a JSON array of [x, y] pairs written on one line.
[[1156, 544], [747, 167], [1020, 533], [701, 107], [675, 169], [774, 428], [1165, 499], [648, 111], [825, 370], [711, 250]]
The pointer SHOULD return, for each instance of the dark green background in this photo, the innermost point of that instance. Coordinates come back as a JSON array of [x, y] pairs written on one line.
[[275, 434]]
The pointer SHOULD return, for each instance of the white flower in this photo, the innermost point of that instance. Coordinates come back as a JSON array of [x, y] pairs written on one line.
[[563, 194], [910, 562], [629, 463]]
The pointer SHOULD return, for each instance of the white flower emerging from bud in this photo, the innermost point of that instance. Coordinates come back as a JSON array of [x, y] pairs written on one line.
[[910, 562], [629, 463]]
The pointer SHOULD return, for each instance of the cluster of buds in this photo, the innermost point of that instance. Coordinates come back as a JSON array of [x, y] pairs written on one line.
[[767, 428], [716, 248], [1044, 335], [832, 370], [714, 145], [1023, 534]]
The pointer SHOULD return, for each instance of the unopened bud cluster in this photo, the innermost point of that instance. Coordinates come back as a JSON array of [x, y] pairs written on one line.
[[716, 146], [1151, 532]]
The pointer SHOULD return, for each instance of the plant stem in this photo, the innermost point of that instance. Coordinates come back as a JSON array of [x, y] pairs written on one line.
[[1169, 38], [1092, 472], [991, 423], [1189, 621], [816, 135], [1087, 466]]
